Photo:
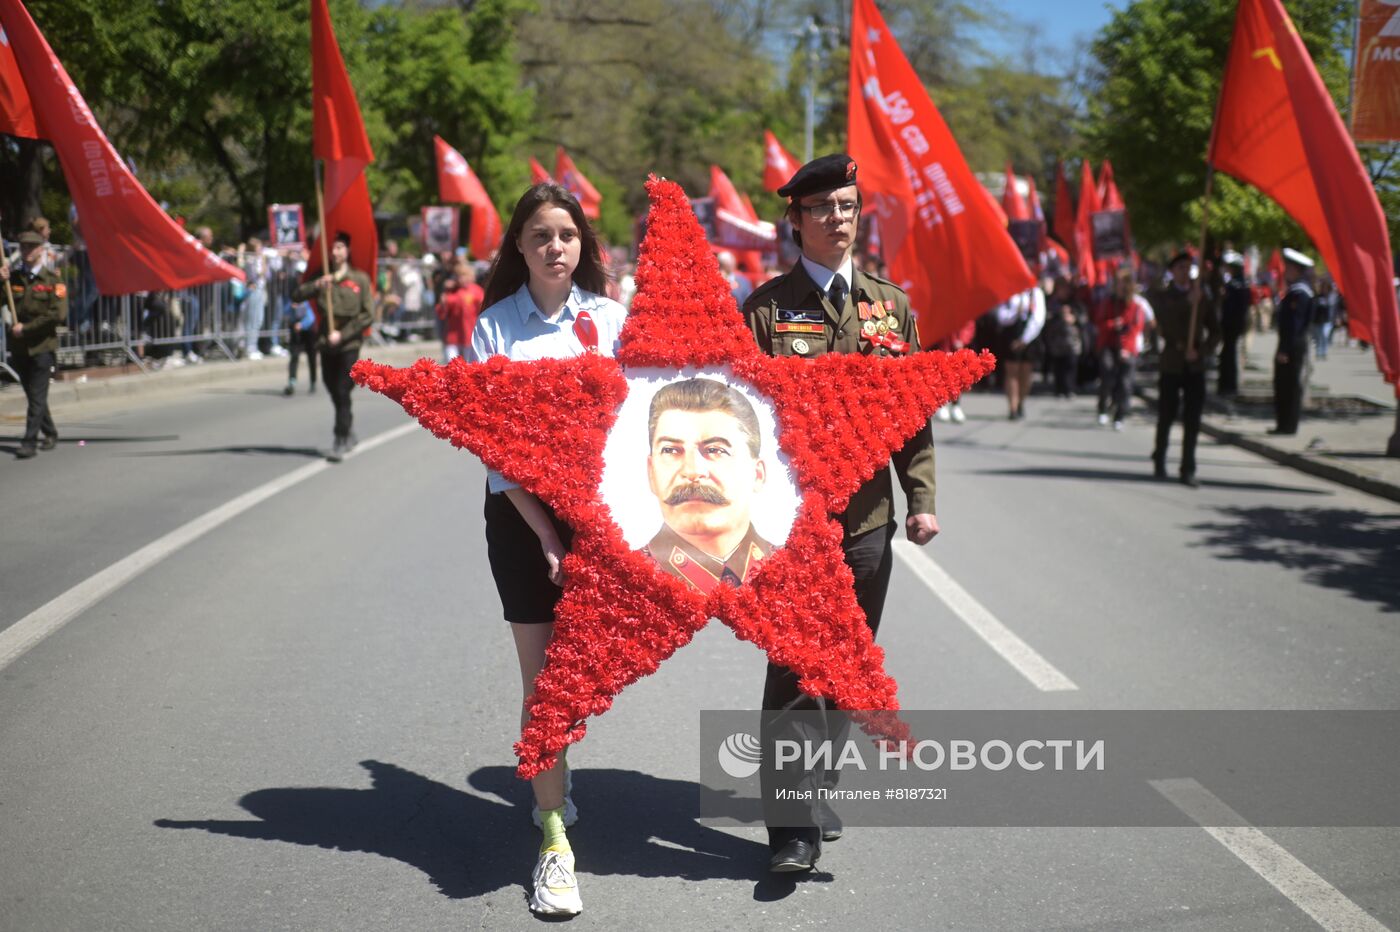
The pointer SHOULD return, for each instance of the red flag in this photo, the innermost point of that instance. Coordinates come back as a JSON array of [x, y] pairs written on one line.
[[1375, 98], [778, 163], [16, 109], [1064, 209], [132, 243], [1109, 198], [537, 173], [1277, 129], [1084, 226], [570, 177], [1038, 215], [943, 240], [728, 198], [1011, 201], [339, 139], [457, 183]]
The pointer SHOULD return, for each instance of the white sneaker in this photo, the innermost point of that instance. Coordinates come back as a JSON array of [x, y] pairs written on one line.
[[193, 358], [1117, 425], [253, 354], [1103, 420], [279, 351], [570, 814], [174, 361], [958, 416], [943, 414], [555, 886]]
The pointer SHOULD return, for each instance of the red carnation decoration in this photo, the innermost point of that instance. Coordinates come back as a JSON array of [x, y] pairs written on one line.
[[621, 616]]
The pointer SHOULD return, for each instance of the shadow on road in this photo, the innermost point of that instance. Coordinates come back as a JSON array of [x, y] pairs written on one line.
[[247, 450], [1143, 475], [1335, 548], [469, 846]]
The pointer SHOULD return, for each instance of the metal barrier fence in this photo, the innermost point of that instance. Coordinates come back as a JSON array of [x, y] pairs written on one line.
[[221, 320]]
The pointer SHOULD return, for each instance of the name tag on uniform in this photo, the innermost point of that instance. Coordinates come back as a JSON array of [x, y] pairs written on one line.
[[784, 315], [786, 327]]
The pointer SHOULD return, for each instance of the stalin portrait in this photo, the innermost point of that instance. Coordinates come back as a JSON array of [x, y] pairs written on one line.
[[705, 469]]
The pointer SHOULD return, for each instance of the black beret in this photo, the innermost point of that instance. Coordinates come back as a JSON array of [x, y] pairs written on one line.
[[824, 174], [343, 237], [1182, 256]]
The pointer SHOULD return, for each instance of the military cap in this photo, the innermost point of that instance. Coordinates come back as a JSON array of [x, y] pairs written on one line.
[[1182, 256], [343, 237], [1232, 258], [824, 174], [30, 238], [1297, 258]]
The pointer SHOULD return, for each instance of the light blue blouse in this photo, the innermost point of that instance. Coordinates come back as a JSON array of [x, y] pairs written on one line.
[[517, 329]]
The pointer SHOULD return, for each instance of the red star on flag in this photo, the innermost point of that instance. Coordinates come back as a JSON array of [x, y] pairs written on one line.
[[545, 424]]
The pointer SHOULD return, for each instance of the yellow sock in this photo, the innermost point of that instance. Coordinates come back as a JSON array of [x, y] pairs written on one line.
[[552, 824]]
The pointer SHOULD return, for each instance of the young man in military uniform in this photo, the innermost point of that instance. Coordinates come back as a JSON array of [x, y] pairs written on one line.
[[826, 305], [1182, 368], [341, 333], [41, 305], [1293, 318]]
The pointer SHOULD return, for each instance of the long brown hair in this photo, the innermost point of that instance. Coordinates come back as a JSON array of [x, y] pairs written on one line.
[[509, 271]]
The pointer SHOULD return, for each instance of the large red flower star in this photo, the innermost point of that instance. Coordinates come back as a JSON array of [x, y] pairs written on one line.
[[544, 425]]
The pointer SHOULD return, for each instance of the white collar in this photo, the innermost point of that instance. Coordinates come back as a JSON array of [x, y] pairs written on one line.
[[525, 304], [821, 275]]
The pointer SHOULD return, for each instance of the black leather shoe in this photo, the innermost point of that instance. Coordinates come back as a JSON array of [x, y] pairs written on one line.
[[26, 451], [832, 829], [1190, 481], [48, 443], [797, 855], [1159, 471]]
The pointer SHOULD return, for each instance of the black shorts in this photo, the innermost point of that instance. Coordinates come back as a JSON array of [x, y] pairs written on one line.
[[518, 564]]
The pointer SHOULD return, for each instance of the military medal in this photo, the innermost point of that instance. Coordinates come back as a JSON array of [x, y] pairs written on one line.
[[882, 327], [865, 310], [868, 328], [800, 347]]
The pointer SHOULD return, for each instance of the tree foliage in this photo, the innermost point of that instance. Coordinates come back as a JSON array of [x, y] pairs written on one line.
[[212, 100], [1151, 100]]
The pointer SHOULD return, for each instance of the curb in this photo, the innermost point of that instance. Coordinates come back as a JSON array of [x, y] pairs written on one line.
[[1312, 465], [67, 396]]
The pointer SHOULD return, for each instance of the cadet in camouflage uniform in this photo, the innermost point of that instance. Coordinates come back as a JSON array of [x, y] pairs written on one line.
[[41, 303], [352, 306], [825, 305]]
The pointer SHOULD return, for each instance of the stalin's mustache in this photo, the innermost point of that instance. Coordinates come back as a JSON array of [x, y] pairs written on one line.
[[696, 492]]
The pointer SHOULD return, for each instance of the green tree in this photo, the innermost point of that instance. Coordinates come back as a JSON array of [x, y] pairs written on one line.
[[212, 101], [1151, 99]]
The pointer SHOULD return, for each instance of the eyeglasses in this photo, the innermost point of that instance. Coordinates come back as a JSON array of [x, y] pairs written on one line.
[[826, 208]]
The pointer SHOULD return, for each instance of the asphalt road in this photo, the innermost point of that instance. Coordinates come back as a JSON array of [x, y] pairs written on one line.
[[302, 718]]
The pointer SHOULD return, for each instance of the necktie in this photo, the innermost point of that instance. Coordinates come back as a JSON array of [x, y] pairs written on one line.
[[837, 294]]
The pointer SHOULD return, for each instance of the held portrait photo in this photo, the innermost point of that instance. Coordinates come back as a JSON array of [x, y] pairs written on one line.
[[705, 494]]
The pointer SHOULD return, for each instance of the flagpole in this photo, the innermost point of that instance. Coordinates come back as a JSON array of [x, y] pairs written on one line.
[[325, 250], [1200, 283], [1210, 185]]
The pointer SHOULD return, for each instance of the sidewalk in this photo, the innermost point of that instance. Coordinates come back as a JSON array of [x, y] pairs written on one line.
[[1348, 417], [75, 390]]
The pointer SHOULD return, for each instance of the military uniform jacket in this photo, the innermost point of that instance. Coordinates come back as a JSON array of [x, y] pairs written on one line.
[[41, 302], [791, 316], [352, 302], [1171, 307], [701, 571], [1295, 313]]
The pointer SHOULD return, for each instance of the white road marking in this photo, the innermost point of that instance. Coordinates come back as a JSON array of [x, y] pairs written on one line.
[[1289, 876], [1041, 672], [24, 634]]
